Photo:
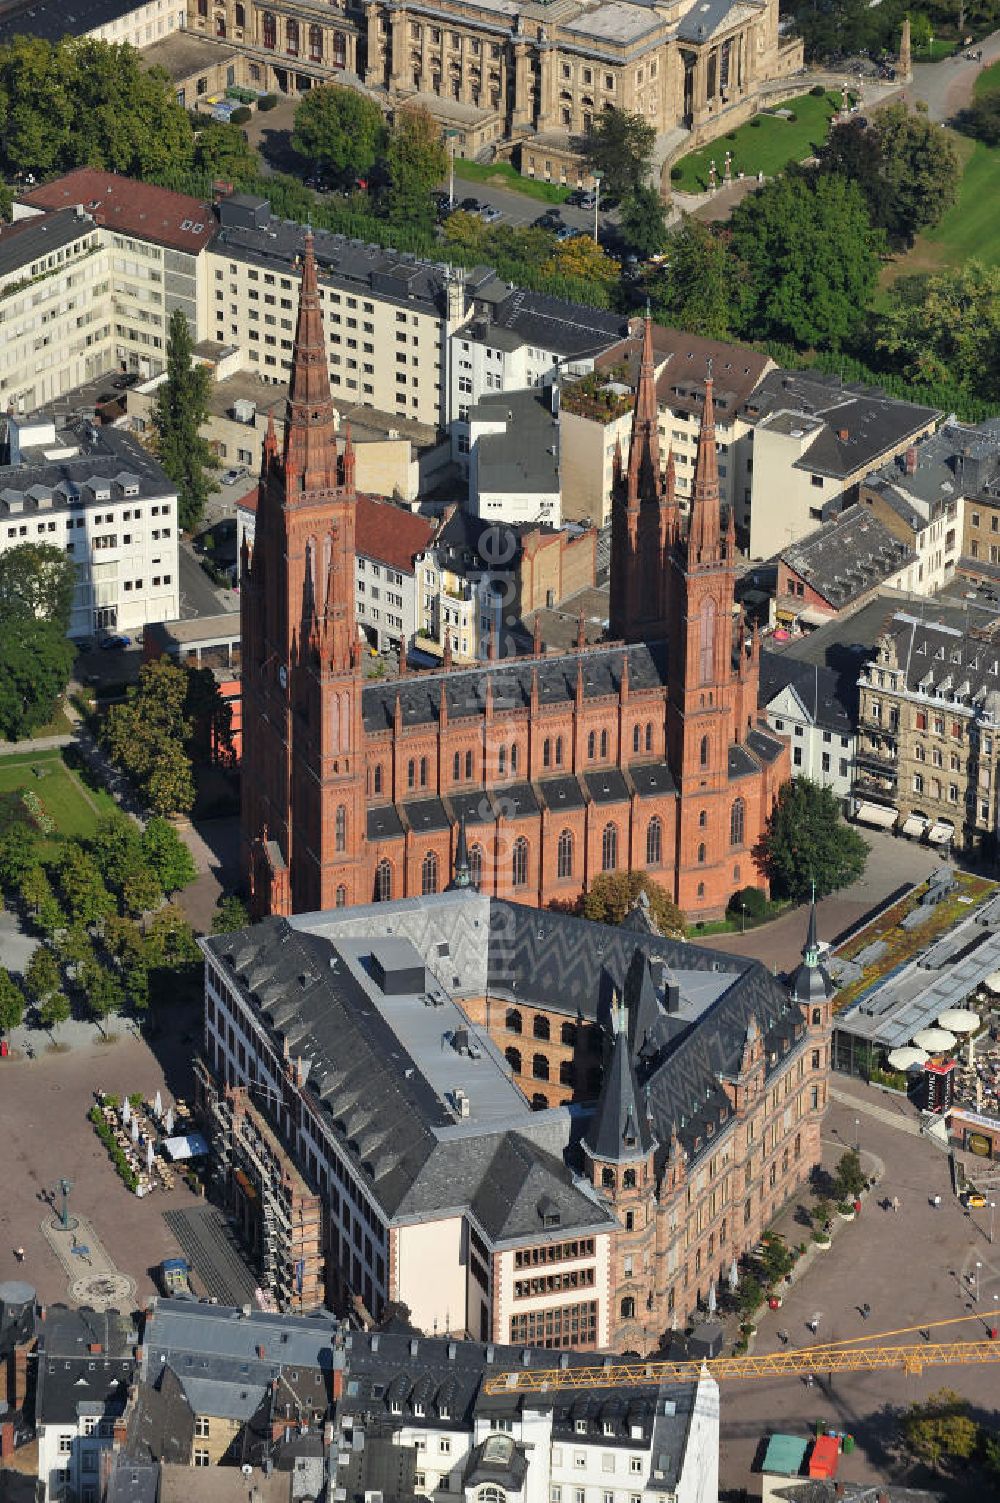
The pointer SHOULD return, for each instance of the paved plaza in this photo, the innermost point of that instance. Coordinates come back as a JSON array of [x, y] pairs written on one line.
[[43, 1117], [912, 1267]]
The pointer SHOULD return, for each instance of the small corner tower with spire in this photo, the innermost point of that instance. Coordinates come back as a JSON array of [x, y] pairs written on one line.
[[812, 986]]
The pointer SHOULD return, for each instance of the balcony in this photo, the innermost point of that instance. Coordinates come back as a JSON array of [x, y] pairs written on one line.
[[877, 763]]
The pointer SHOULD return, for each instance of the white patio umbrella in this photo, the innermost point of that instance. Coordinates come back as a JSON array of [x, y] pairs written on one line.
[[959, 1020], [158, 1107], [126, 1112], [992, 983], [934, 1039], [150, 1154], [734, 1276], [135, 1129], [907, 1058], [168, 1122], [712, 1303]]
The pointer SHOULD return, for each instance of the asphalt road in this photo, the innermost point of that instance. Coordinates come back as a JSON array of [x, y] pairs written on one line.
[[520, 208], [199, 596]]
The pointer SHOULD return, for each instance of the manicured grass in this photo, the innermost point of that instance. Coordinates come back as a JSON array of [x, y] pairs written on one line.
[[972, 227], [74, 808], [766, 144], [939, 49], [502, 175], [988, 81]]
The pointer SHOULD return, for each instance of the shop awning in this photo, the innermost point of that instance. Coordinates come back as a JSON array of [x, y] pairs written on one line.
[[876, 814], [940, 834], [915, 824]]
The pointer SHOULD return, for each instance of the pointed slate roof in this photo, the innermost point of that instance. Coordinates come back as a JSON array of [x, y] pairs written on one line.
[[619, 1129], [812, 981]]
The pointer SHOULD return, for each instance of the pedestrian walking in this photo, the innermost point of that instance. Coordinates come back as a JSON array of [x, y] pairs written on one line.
[[19, 1254], [866, 1310], [895, 1202], [783, 1337]]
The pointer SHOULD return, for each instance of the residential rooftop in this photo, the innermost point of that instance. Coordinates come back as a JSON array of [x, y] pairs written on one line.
[[45, 470], [524, 457], [40, 236], [143, 210], [847, 556], [51, 20]]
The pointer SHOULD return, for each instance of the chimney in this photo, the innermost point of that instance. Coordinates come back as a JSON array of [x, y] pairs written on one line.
[[911, 460], [6, 1440], [95, 1349], [120, 1431], [20, 1377]]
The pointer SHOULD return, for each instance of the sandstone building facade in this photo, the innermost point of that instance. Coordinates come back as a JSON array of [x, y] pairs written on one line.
[[517, 74], [617, 757]]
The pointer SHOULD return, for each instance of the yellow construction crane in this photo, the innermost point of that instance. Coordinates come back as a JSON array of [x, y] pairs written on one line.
[[856, 1354]]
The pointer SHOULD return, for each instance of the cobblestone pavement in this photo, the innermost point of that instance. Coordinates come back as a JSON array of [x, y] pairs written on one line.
[[912, 1267], [91, 1275]]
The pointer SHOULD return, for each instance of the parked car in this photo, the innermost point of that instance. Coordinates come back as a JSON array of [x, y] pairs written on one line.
[[489, 213], [568, 232], [973, 1200], [232, 477], [126, 380], [470, 205], [548, 221], [587, 200], [114, 643]]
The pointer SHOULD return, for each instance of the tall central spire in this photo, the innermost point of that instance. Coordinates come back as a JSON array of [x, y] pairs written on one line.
[[310, 433], [644, 449], [703, 538]]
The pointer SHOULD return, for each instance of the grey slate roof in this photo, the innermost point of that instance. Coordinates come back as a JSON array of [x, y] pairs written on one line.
[[957, 460], [945, 653], [53, 19], [561, 793], [425, 814], [465, 688], [607, 786], [161, 1426], [829, 698], [848, 556], [71, 1378], [875, 423], [108, 454], [525, 456], [570, 330], [41, 235], [652, 779], [703, 20], [619, 1130]]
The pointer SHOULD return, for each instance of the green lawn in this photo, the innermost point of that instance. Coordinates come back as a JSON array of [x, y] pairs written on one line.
[[972, 227], [502, 175], [988, 81], [74, 808], [765, 144]]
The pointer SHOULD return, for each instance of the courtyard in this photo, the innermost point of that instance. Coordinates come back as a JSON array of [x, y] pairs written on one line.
[[766, 144]]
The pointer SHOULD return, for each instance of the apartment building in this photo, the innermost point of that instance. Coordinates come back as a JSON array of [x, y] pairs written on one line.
[[56, 324], [929, 728], [137, 22], [595, 416], [514, 457], [85, 1370], [811, 441], [393, 1411], [388, 315], [416, 1061], [839, 567], [920, 498], [517, 339], [508, 77], [101, 497], [810, 704], [154, 241]]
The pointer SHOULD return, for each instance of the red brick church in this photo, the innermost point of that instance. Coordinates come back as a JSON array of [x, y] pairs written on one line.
[[528, 775]]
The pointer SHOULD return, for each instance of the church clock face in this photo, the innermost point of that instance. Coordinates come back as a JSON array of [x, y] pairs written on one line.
[[283, 676]]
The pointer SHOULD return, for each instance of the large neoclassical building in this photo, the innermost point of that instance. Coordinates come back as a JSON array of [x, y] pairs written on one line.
[[517, 75], [642, 753]]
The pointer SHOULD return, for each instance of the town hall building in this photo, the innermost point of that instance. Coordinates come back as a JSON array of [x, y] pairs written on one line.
[[645, 752]]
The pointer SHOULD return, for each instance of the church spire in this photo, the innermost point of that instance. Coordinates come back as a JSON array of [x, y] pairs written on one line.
[[310, 435], [644, 448], [461, 875], [703, 537]]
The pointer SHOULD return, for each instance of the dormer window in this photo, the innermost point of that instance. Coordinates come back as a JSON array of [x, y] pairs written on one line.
[[580, 1426], [395, 1407], [418, 1408]]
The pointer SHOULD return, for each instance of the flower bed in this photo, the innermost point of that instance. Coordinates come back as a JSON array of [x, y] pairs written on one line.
[[107, 1137]]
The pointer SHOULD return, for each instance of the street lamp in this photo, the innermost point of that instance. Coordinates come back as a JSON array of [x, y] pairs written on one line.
[[993, 1206], [452, 136], [597, 203], [857, 1135], [743, 917], [978, 1267]]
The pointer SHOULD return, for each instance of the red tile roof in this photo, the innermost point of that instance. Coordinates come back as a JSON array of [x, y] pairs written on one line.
[[123, 203], [381, 530], [389, 533]]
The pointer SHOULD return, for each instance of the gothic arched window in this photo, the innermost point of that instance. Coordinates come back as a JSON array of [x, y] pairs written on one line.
[[564, 854], [703, 752], [340, 829], [341, 898], [636, 738], [609, 848], [383, 882], [476, 865], [429, 874], [513, 1057], [519, 862], [706, 641], [654, 841], [737, 822], [604, 743]]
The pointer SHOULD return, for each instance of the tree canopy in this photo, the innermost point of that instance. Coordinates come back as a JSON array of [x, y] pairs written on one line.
[[941, 1430], [11, 1002], [36, 660], [339, 129], [642, 222], [906, 167], [695, 287], [619, 146], [810, 258], [415, 161], [805, 840], [612, 895], [82, 101], [180, 408], [946, 326], [221, 153], [37, 579], [148, 734]]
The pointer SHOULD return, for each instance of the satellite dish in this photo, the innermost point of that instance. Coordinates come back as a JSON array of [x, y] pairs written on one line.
[[246, 1469]]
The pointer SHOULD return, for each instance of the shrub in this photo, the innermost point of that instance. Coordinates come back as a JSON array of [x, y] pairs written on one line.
[[676, 173], [125, 1174], [817, 91], [791, 117], [750, 898], [240, 116], [267, 101], [755, 123]]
